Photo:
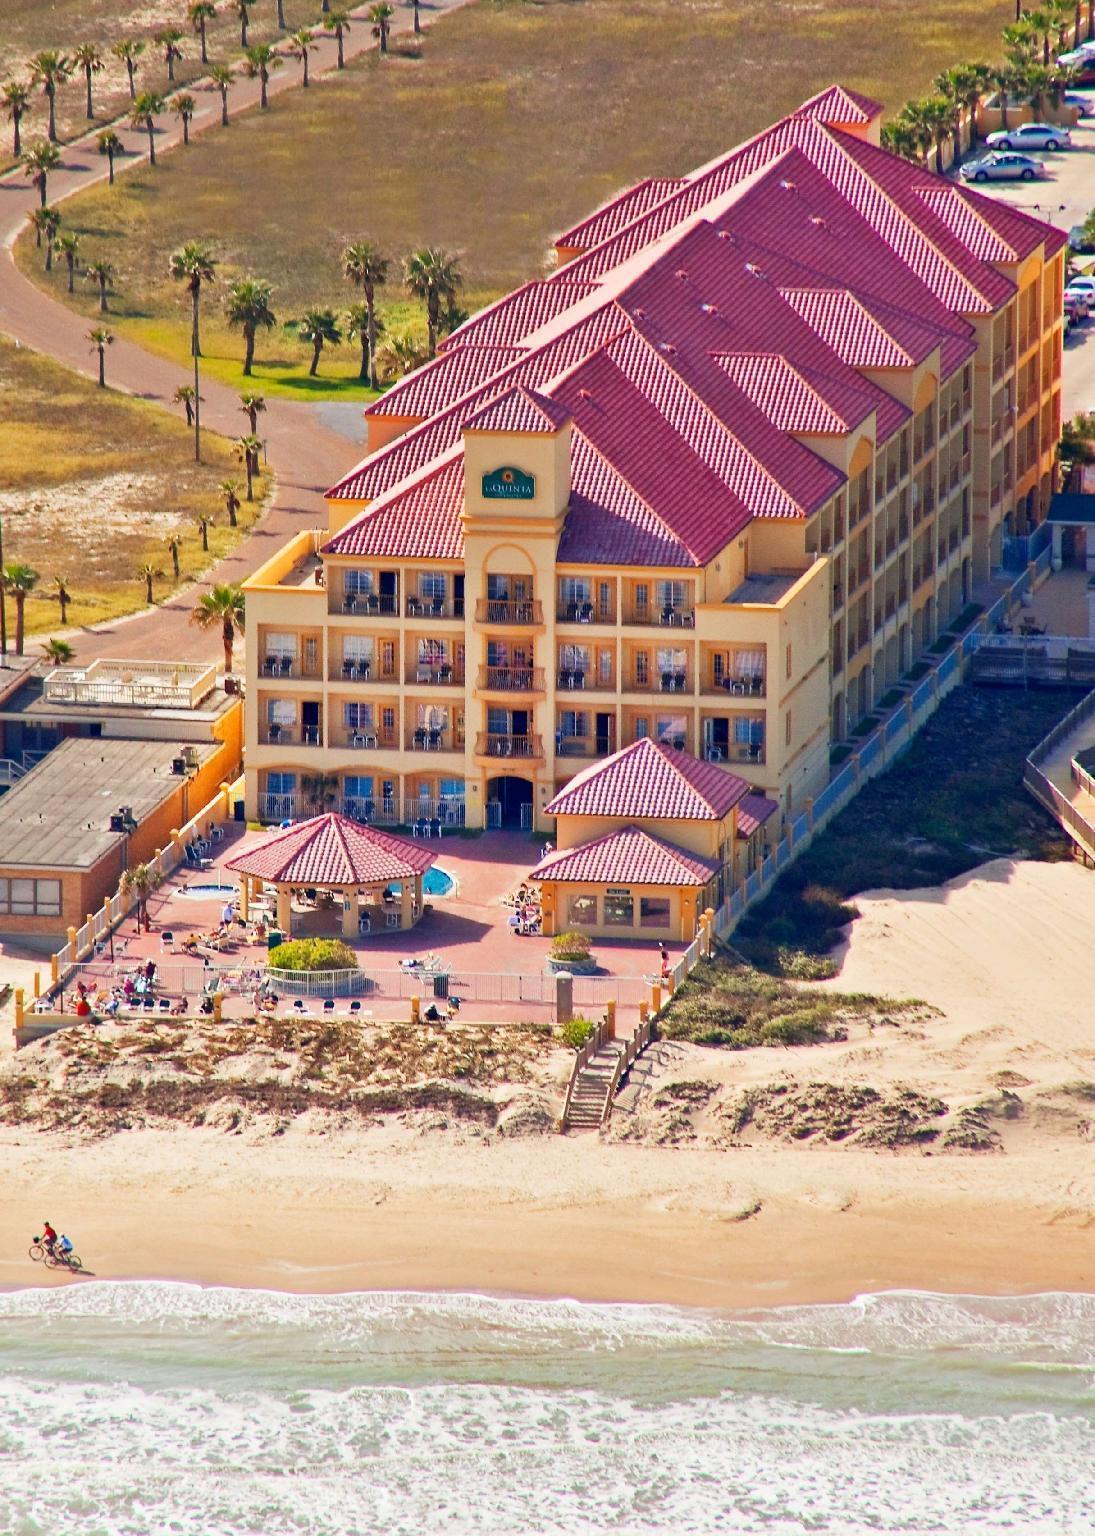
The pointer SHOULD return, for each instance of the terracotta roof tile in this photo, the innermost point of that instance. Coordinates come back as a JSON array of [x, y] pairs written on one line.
[[627, 857], [510, 319], [519, 409], [448, 378], [331, 850], [840, 105], [618, 212], [420, 519], [753, 812], [650, 781]]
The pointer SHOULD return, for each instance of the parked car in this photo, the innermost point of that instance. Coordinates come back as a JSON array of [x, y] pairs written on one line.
[[996, 166], [1081, 240], [1082, 104], [1082, 71], [1077, 306], [1030, 136], [1081, 288], [1077, 55]]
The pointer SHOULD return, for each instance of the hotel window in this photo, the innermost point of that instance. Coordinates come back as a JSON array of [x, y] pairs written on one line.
[[641, 597], [357, 649], [642, 727], [281, 645], [604, 599], [452, 789], [670, 659], [281, 711], [672, 730], [749, 664], [574, 589], [357, 717], [573, 722], [789, 659], [574, 658], [748, 733], [498, 589], [654, 912], [604, 668], [387, 657], [642, 668], [387, 721], [582, 911], [281, 783], [671, 594], [356, 787], [432, 717], [718, 668], [619, 911], [433, 653], [357, 583], [31, 898], [787, 729], [431, 586]]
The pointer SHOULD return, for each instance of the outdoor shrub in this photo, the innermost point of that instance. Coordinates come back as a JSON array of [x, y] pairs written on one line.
[[570, 946], [576, 1032], [314, 955]]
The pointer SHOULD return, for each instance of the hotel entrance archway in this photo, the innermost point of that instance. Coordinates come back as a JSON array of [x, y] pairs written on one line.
[[509, 802]]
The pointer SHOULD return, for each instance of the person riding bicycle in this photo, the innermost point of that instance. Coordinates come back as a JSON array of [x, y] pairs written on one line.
[[49, 1237], [64, 1246]]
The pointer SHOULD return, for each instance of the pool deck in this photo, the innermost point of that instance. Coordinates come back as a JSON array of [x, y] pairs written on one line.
[[469, 930]]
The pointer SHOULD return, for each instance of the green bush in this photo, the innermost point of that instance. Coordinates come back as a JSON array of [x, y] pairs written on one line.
[[570, 946], [576, 1032], [314, 955]]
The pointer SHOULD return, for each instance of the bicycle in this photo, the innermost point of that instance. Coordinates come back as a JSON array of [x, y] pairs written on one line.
[[54, 1258]]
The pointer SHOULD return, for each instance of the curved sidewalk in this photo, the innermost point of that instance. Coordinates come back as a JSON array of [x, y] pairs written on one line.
[[305, 454]]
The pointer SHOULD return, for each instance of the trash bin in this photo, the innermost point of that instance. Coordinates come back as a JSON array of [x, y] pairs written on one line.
[[238, 810], [273, 938], [440, 986]]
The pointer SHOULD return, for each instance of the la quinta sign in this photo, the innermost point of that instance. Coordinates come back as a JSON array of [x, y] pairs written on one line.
[[509, 484]]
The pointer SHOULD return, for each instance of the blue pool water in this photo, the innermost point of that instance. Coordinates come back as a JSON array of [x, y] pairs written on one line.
[[437, 882], [208, 892]]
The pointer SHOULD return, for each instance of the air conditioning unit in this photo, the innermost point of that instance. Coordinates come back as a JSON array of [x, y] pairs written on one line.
[[231, 685], [178, 766], [190, 756], [117, 823]]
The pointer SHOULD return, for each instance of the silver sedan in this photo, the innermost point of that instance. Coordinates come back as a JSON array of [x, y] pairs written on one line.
[[1031, 136], [1002, 167]]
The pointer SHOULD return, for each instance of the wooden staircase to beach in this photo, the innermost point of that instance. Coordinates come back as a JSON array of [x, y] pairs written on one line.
[[598, 1068]]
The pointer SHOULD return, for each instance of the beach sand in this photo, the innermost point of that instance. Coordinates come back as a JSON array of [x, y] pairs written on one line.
[[1004, 952]]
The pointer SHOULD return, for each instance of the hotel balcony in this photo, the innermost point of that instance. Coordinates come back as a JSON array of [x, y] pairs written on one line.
[[367, 605], [511, 679], [277, 807], [580, 746], [735, 752], [274, 735], [435, 607], [661, 618], [366, 738], [525, 612], [443, 676], [426, 738], [282, 665], [490, 744], [752, 685], [585, 613]]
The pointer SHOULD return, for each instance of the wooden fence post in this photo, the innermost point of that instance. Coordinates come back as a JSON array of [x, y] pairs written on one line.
[[610, 1019]]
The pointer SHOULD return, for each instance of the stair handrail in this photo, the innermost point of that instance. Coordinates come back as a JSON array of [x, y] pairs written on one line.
[[582, 1058], [630, 1053]]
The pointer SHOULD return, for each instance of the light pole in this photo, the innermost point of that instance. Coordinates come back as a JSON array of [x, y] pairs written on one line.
[[197, 415]]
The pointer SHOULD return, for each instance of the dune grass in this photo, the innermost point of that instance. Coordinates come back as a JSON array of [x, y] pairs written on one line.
[[91, 485], [508, 122]]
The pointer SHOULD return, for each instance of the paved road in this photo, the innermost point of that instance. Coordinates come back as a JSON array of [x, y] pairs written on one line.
[[309, 445], [1064, 199]]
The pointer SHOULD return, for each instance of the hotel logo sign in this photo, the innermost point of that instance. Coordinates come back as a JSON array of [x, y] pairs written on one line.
[[509, 484]]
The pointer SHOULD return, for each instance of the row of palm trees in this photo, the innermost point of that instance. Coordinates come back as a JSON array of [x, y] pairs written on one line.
[[51, 68], [1029, 72]]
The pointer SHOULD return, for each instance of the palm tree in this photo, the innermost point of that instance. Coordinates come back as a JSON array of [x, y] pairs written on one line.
[[129, 50], [381, 18], [912, 114], [899, 138], [200, 12], [248, 308], [184, 396], [222, 77], [173, 542], [61, 596], [109, 145], [49, 69], [253, 406], [938, 117], [148, 573], [243, 10], [417, 19], [230, 490], [1010, 82], [203, 521], [432, 275], [143, 114], [260, 60], [184, 109], [364, 266], [46, 222], [138, 883], [338, 22], [248, 448], [58, 652], [69, 247], [101, 272], [317, 327], [169, 39], [281, 15], [100, 339], [399, 354], [224, 605], [38, 161], [193, 265], [88, 58], [16, 97], [20, 580], [320, 790], [301, 44], [1039, 84], [357, 329]]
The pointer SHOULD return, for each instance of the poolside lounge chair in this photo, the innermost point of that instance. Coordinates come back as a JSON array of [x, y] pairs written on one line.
[[355, 1007], [167, 940], [328, 1005]]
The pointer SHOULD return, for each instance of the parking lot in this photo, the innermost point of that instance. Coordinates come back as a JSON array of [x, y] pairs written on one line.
[[1065, 198]]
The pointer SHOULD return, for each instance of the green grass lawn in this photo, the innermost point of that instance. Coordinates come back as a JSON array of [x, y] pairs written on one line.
[[510, 121], [952, 801], [91, 485]]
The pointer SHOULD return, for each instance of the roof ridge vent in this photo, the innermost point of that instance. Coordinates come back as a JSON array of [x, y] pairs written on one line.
[[585, 394], [752, 268], [681, 272], [710, 309], [728, 234], [787, 184], [666, 346], [821, 223]]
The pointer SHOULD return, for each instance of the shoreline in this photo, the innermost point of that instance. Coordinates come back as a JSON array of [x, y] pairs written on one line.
[[376, 1211]]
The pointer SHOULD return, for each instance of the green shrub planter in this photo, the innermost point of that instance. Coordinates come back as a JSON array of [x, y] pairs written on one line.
[[577, 965]]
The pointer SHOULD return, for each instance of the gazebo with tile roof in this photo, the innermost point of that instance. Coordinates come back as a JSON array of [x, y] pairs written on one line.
[[359, 865]]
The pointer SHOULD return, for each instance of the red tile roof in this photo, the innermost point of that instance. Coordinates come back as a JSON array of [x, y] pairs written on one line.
[[519, 409], [753, 812], [649, 780], [618, 212], [510, 319], [446, 379], [627, 857], [330, 850], [420, 519], [840, 105]]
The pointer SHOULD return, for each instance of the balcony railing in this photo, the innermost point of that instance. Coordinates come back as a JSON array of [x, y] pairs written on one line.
[[435, 607], [666, 618], [496, 679], [291, 735], [580, 746], [496, 744], [749, 685], [509, 610], [289, 666], [734, 752], [443, 676], [575, 677], [367, 738], [433, 739], [277, 807], [356, 671], [585, 613], [367, 604]]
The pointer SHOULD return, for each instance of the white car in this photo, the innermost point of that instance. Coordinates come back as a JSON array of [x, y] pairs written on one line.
[[1030, 136], [1078, 55], [1081, 288]]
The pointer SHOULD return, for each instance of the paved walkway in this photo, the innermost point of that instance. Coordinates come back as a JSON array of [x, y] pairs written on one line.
[[308, 445]]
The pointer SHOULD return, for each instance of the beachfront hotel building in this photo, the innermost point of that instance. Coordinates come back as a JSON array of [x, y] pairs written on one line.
[[717, 481]]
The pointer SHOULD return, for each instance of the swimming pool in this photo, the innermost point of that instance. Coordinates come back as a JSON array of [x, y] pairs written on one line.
[[207, 892], [437, 882]]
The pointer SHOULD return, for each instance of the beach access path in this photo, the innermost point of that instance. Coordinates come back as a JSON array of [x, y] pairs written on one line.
[[308, 446]]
